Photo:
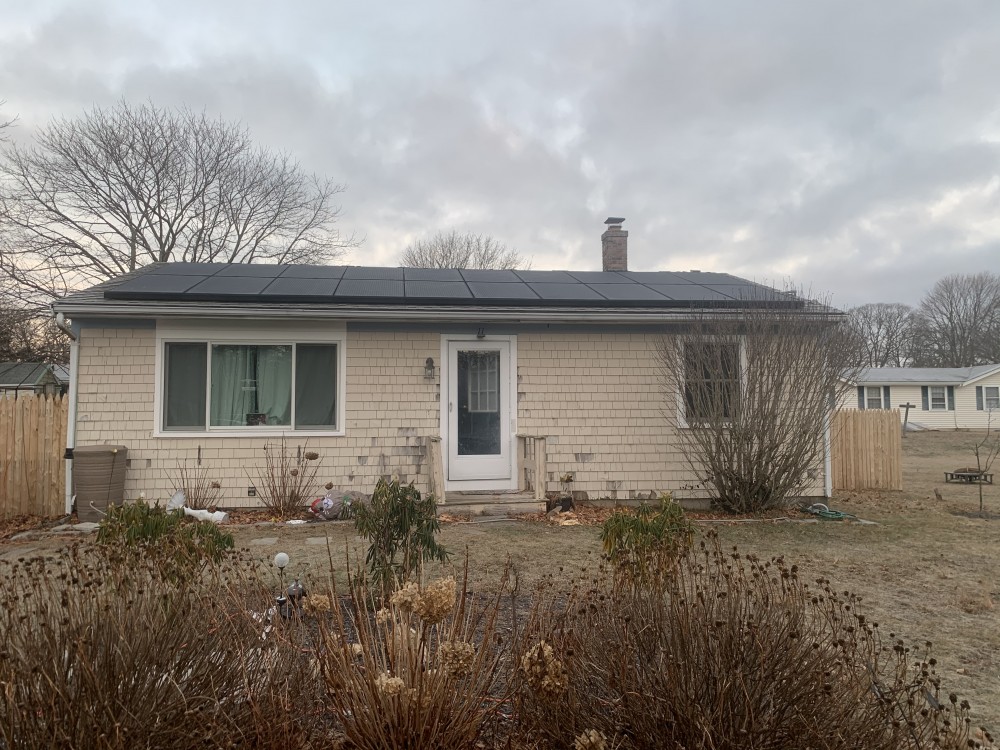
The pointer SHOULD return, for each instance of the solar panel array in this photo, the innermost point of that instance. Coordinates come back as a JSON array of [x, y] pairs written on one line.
[[218, 282]]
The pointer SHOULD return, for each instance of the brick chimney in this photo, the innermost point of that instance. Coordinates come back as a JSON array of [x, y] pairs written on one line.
[[614, 245]]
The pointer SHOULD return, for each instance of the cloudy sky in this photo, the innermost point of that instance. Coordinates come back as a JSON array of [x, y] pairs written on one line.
[[851, 146]]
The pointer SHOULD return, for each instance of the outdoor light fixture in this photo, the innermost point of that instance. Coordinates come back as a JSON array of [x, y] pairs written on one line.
[[481, 333], [429, 368], [281, 560]]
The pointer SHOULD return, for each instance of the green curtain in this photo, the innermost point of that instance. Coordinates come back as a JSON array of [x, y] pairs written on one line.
[[251, 385]]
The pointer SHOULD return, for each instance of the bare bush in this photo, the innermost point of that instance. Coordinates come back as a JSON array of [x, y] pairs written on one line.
[[749, 397], [725, 651], [288, 478], [425, 671], [100, 650], [200, 490]]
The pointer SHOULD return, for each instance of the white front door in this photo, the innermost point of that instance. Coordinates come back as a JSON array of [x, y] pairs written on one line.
[[479, 424]]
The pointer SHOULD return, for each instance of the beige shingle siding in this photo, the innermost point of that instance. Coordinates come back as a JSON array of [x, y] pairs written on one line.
[[596, 396], [963, 416]]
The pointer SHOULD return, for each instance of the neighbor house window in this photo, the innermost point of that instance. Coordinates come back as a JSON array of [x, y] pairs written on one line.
[[712, 381], [939, 397], [873, 397], [211, 385], [991, 397]]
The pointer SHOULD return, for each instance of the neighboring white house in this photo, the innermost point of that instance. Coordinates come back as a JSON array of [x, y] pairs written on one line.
[[941, 398]]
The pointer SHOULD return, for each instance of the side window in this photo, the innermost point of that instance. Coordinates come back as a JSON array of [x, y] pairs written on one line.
[[711, 381]]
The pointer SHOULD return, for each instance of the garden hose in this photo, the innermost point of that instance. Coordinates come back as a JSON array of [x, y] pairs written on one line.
[[822, 511]]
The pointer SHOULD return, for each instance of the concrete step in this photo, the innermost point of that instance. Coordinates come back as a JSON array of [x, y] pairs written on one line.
[[491, 504]]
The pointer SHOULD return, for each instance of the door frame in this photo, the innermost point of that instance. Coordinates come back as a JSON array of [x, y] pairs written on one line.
[[506, 483]]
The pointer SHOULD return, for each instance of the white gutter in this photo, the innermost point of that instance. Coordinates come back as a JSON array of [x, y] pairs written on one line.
[[74, 379], [404, 313]]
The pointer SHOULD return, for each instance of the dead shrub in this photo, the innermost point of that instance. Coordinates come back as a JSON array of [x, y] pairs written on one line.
[[288, 479], [112, 651], [723, 651], [424, 671], [200, 490]]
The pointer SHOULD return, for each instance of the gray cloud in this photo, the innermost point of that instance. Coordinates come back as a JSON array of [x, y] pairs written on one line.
[[851, 147]]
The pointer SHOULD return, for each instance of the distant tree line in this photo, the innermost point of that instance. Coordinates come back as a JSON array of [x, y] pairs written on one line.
[[956, 324]]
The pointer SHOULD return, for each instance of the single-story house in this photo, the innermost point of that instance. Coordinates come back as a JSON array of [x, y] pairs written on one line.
[[17, 378], [458, 380], [940, 398]]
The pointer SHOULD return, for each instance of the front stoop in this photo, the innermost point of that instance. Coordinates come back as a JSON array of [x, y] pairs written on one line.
[[491, 503]]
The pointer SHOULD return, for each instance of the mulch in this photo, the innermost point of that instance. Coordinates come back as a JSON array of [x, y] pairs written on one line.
[[589, 515], [16, 524]]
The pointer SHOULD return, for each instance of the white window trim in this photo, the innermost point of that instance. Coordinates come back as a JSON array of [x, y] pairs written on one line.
[[681, 401], [250, 332], [930, 398]]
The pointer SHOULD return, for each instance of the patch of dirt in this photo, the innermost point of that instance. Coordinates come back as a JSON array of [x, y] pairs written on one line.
[[16, 524]]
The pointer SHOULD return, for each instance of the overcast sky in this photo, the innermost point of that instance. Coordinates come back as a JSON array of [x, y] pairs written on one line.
[[852, 147]]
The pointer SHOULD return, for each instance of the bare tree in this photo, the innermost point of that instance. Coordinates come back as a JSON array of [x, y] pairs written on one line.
[[883, 332], [454, 250], [958, 322], [986, 450], [750, 398], [115, 189]]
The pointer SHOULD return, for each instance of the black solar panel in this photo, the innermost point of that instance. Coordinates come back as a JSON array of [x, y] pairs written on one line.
[[264, 270], [313, 272], [546, 277], [565, 292], [432, 274], [688, 292], [291, 287], [476, 274], [369, 272], [306, 284], [490, 290], [369, 288], [230, 285], [627, 292], [600, 277], [162, 283], [186, 269], [438, 290]]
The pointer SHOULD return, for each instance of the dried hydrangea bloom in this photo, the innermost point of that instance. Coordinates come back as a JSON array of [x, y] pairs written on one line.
[[316, 603], [436, 601], [543, 671], [413, 696], [591, 740], [456, 658], [406, 597], [388, 684], [311, 455], [383, 615], [357, 649]]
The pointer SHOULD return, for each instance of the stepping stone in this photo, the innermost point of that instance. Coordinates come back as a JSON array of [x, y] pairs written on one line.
[[264, 541], [318, 540]]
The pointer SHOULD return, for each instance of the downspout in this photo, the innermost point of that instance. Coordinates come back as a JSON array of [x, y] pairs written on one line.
[[827, 452], [74, 373]]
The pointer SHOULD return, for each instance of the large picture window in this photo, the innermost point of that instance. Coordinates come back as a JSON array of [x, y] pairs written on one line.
[[219, 385], [712, 381]]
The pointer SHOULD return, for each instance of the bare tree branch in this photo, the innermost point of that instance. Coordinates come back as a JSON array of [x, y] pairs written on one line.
[[115, 189], [750, 397], [884, 333], [958, 323], [454, 250]]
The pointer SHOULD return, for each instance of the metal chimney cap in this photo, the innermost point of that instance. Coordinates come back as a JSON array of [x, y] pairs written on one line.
[[614, 220]]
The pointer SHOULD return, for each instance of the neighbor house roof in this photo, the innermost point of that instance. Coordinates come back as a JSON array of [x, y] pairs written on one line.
[[219, 288], [923, 375], [22, 374]]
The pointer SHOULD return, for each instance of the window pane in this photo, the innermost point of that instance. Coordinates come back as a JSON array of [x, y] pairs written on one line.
[[992, 397], [315, 385], [873, 397], [711, 390], [251, 385], [479, 429], [184, 386], [938, 397]]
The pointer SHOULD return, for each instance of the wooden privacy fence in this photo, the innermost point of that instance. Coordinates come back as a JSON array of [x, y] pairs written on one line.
[[866, 450], [32, 443]]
